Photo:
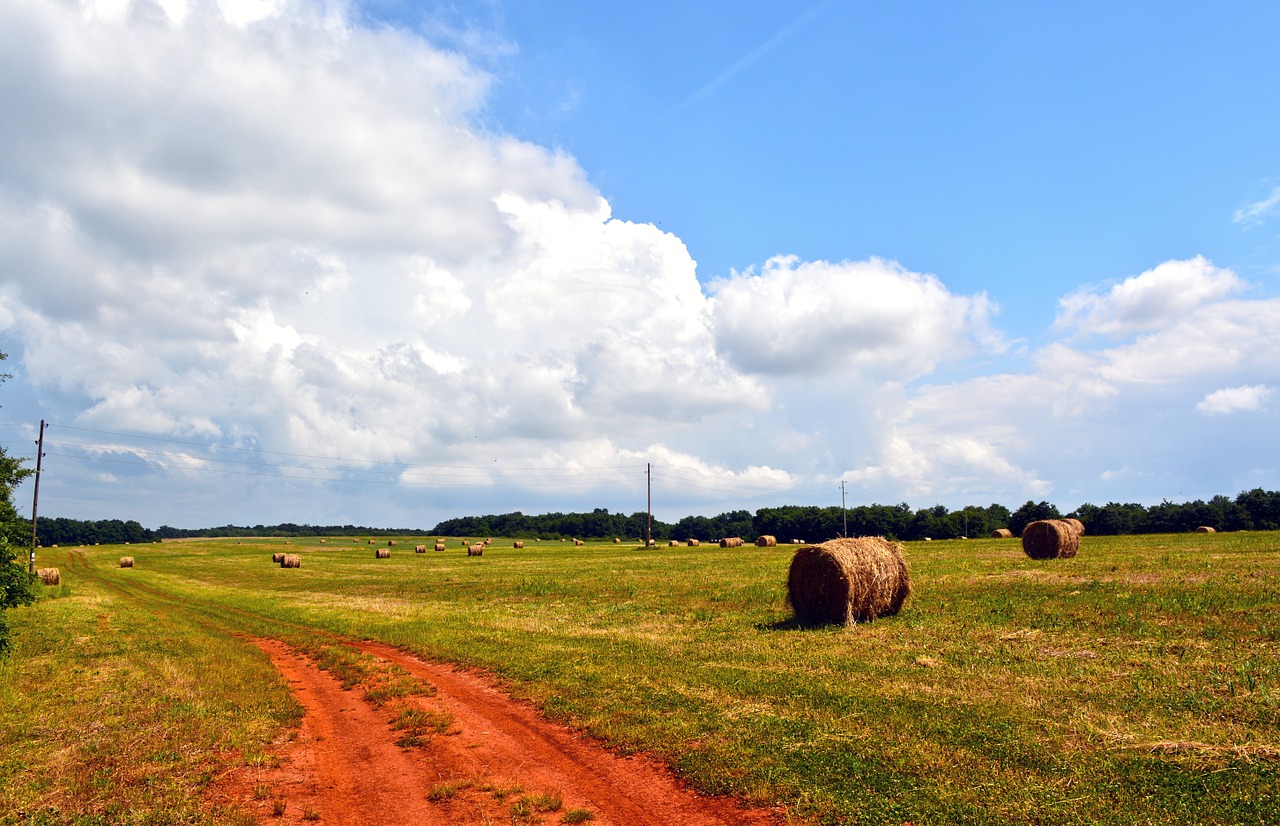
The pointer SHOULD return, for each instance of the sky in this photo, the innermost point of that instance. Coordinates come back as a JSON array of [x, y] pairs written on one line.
[[386, 263]]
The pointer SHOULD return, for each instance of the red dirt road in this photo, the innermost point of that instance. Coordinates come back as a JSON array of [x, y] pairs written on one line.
[[499, 763]]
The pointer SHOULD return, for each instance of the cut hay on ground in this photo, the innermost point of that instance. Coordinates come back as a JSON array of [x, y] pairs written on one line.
[[49, 576], [1050, 539], [291, 561], [731, 542], [382, 553], [765, 541], [517, 544], [1206, 529], [277, 558], [476, 549], [847, 580], [1001, 533], [126, 562]]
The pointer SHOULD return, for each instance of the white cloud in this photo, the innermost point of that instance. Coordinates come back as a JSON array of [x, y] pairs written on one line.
[[1254, 214], [1245, 399], [1148, 301]]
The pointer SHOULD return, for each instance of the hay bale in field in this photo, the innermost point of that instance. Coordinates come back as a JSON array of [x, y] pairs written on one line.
[[439, 546], [126, 562], [694, 543], [1001, 533], [419, 549], [1076, 525], [49, 576], [476, 549], [616, 540], [652, 543], [1206, 529], [288, 542], [291, 561], [731, 542], [466, 543], [391, 543], [847, 580], [278, 558], [1050, 539], [766, 541], [370, 541], [673, 543], [322, 541], [578, 543], [382, 553], [517, 544], [797, 542]]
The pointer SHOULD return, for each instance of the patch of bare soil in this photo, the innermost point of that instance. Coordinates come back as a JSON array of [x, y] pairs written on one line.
[[497, 762]]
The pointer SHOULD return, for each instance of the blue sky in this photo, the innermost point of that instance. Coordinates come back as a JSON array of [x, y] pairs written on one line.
[[394, 262]]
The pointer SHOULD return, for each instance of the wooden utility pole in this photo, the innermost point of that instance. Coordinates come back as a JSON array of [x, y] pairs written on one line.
[[35, 500], [648, 480]]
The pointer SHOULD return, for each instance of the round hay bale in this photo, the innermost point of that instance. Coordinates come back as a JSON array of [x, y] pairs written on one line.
[[126, 562], [288, 542], [419, 549], [439, 546], [1206, 529], [391, 543], [847, 580], [578, 543], [517, 544], [1001, 533], [694, 543], [466, 543], [616, 540], [1050, 539], [766, 541], [370, 541], [476, 549], [277, 558], [1076, 525], [49, 576], [382, 553], [322, 541], [488, 542], [291, 561], [731, 542]]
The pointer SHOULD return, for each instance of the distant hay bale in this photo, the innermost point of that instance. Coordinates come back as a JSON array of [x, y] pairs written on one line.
[[287, 542], [382, 553], [49, 576], [439, 546], [673, 543], [476, 549], [517, 544], [578, 543], [797, 542], [391, 543], [419, 549], [126, 562], [488, 542], [1076, 524], [1001, 533], [466, 543], [616, 540], [291, 561], [765, 541], [694, 543], [278, 558], [322, 541], [357, 541], [1050, 539], [370, 541], [652, 543], [1206, 529], [847, 580], [732, 542]]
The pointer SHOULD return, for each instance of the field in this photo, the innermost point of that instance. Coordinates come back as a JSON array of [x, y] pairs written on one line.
[[1136, 683]]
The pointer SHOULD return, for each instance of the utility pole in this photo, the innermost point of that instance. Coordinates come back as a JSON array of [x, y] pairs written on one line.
[[844, 511], [648, 528], [35, 500]]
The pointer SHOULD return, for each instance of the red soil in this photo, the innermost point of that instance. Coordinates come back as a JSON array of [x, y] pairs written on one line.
[[345, 768]]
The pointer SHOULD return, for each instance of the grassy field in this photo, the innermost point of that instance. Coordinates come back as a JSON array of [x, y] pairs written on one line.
[[1136, 683]]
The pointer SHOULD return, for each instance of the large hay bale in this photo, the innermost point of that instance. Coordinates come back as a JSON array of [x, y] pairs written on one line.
[[291, 561], [126, 562], [847, 580], [1050, 539], [277, 558], [419, 549], [382, 553], [49, 576], [765, 541], [694, 543], [1001, 533], [1076, 525], [1206, 529], [439, 546], [731, 542], [476, 549], [517, 544]]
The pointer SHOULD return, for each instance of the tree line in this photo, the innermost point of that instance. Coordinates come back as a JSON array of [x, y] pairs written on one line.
[[1256, 509]]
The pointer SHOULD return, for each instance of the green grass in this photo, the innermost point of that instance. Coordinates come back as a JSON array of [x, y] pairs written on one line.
[[1138, 682]]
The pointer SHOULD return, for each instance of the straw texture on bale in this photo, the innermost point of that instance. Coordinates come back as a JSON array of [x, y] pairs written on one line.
[[1001, 533], [391, 543], [847, 580], [1206, 529], [291, 561], [370, 541], [517, 544], [765, 541], [49, 576], [731, 542], [126, 562], [673, 543], [476, 549], [694, 543], [578, 543], [277, 558], [419, 549], [1076, 524], [439, 546], [1050, 539], [382, 553]]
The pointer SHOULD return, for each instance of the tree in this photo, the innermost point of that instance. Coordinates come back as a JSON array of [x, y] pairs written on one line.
[[15, 582], [1031, 512]]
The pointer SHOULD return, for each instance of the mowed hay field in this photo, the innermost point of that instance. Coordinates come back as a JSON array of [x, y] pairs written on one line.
[[1138, 682]]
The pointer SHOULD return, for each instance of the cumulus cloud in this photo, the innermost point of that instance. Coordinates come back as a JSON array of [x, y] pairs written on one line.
[[1148, 301], [1245, 399]]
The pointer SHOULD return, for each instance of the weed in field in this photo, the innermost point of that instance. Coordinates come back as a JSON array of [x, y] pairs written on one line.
[[278, 807], [578, 816], [446, 791]]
